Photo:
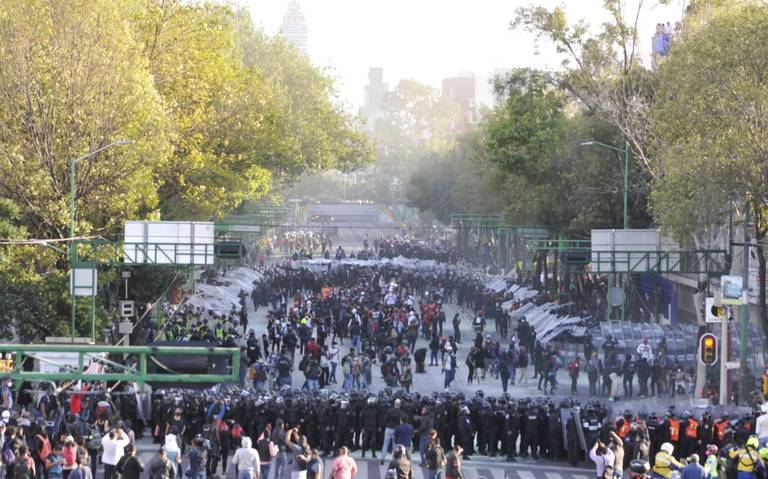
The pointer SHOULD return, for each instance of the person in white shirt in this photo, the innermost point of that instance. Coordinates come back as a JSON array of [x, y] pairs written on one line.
[[761, 425], [644, 351], [113, 445], [603, 458], [247, 461]]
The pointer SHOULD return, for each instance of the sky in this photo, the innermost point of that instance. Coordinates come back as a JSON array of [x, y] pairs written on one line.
[[428, 40]]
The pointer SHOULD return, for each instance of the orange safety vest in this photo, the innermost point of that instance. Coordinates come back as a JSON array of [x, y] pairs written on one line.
[[674, 429], [692, 429], [624, 429], [720, 430]]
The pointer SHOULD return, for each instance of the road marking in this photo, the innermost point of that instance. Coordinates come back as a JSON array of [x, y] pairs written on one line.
[[525, 474], [553, 475], [579, 476], [373, 469], [484, 474]]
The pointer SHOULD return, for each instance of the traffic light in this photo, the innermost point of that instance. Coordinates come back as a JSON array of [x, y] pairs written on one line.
[[708, 349]]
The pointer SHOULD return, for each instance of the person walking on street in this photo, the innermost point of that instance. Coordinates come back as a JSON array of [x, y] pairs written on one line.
[[392, 420], [246, 459], [456, 330], [453, 464], [130, 466], [434, 458], [343, 467], [401, 464], [160, 467], [281, 458], [693, 470]]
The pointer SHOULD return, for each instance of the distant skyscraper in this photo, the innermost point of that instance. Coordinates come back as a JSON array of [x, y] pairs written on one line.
[[461, 89], [374, 96], [295, 27]]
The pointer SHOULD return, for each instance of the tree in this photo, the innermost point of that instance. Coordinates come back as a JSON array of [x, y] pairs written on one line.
[[711, 127], [603, 70], [312, 132], [415, 120], [458, 181], [73, 80]]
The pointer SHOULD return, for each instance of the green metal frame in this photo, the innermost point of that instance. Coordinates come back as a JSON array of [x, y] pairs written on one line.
[[170, 251], [475, 220], [714, 262], [139, 375], [559, 244]]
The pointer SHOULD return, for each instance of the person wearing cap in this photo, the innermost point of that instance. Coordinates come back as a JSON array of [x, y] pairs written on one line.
[[712, 464]]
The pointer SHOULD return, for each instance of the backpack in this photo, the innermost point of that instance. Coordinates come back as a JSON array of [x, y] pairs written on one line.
[[237, 431], [431, 459], [22, 471], [94, 443], [45, 447]]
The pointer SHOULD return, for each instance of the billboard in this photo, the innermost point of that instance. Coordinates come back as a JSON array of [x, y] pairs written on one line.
[[168, 243]]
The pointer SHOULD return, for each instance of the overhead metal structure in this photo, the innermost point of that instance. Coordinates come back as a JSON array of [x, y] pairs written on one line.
[[138, 374]]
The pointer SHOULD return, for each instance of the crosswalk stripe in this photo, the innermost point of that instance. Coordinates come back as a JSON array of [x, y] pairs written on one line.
[[525, 474], [553, 475], [484, 474], [418, 472], [373, 470], [579, 476]]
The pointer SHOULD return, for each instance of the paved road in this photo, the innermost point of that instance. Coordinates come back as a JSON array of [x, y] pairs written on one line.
[[479, 468], [432, 380]]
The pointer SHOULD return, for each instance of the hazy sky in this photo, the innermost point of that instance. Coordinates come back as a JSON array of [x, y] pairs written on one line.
[[428, 40]]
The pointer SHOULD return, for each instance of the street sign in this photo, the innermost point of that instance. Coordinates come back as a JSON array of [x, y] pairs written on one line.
[[124, 327], [229, 228], [533, 232], [709, 310], [732, 365], [127, 309], [731, 286], [83, 281], [126, 274]]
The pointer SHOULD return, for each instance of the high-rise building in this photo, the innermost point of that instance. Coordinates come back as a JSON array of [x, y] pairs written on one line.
[[461, 89], [374, 96], [295, 27]]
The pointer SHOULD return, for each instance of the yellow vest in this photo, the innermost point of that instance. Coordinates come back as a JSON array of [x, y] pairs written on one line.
[[664, 464]]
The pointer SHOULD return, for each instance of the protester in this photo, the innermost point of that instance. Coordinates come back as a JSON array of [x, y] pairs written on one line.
[[246, 460]]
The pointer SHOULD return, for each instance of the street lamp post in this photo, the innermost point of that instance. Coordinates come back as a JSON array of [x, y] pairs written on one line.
[[624, 150], [72, 244]]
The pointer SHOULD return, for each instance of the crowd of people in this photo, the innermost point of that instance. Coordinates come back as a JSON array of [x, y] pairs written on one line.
[[341, 328], [71, 433]]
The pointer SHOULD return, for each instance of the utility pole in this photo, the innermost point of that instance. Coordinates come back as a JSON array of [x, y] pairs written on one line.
[[744, 314]]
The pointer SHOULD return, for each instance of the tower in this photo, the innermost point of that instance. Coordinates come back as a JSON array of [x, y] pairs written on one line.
[[295, 27]]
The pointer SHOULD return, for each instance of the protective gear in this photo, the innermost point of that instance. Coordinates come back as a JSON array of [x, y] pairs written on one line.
[[664, 463], [753, 442]]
